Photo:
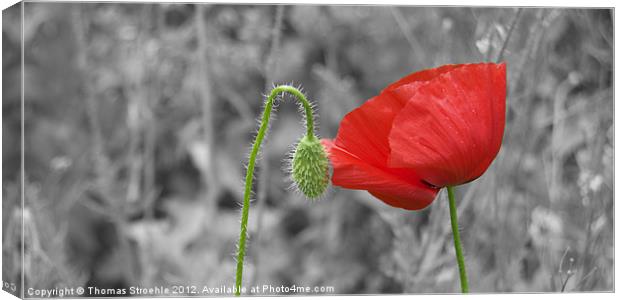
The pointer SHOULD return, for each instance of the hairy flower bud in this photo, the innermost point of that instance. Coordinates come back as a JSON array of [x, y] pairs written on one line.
[[310, 167]]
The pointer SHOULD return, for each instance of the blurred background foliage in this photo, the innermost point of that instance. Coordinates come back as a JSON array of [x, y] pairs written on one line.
[[139, 118]]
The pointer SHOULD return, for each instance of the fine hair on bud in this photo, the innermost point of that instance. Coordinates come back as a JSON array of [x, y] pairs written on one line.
[[310, 167]]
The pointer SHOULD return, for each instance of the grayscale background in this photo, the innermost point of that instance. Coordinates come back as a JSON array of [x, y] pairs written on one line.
[[139, 119]]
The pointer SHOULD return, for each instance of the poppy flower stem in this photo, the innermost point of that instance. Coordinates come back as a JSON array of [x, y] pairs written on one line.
[[249, 177], [457, 241]]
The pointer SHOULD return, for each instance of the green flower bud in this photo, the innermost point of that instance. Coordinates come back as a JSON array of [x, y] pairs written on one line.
[[310, 167]]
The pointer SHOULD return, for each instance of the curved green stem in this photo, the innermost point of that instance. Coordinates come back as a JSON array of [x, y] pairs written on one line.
[[249, 176], [457, 241]]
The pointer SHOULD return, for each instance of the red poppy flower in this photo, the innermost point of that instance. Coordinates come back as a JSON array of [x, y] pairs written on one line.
[[434, 128]]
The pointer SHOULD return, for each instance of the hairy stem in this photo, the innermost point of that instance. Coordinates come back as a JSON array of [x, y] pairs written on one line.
[[249, 177], [271, 66], [460, 260]]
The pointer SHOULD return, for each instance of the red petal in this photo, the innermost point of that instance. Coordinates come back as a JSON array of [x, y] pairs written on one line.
[[451, 128], [365, 130], [361, 150], [396, 187]]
